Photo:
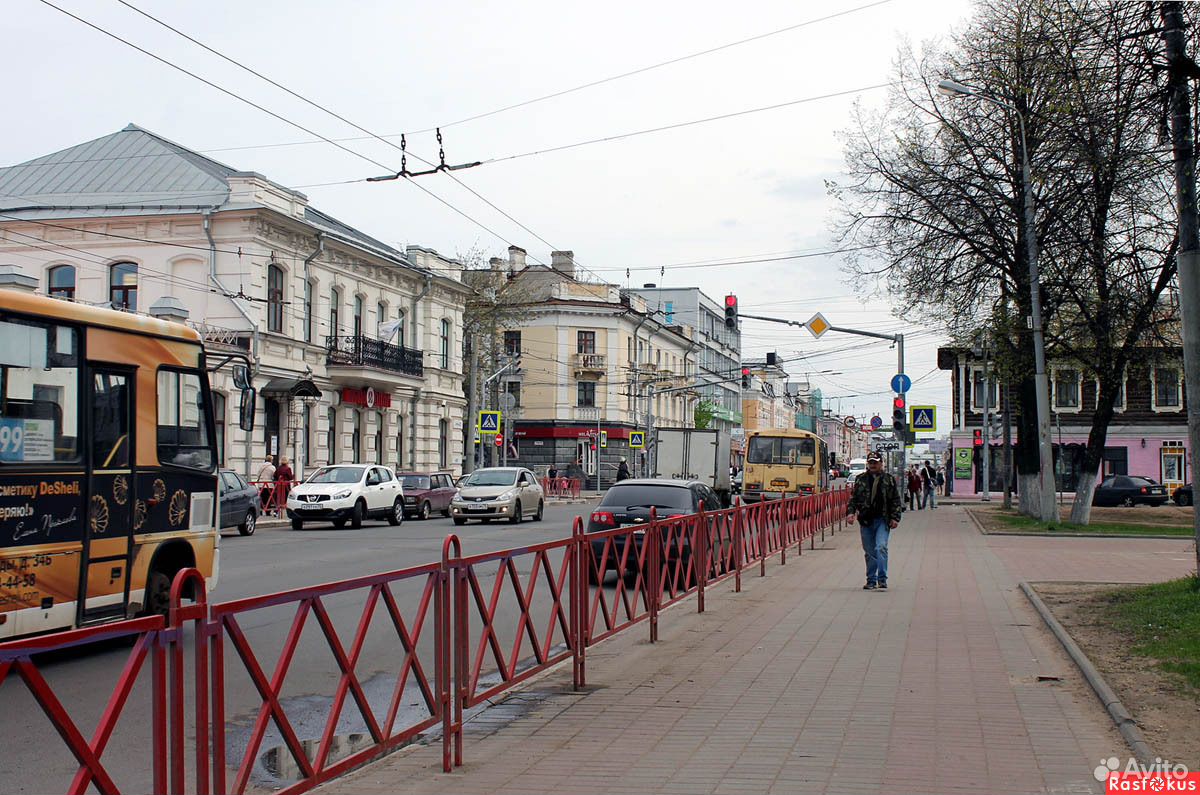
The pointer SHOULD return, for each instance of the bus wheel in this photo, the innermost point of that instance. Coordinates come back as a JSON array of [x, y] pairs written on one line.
[[157, 599]]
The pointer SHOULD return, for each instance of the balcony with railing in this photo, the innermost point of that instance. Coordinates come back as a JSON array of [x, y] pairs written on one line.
[[359, 356], [590, 365]]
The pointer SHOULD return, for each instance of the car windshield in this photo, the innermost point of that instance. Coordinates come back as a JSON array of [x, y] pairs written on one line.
[[493, 477], [416, 481], [337, 475], [645, 495]]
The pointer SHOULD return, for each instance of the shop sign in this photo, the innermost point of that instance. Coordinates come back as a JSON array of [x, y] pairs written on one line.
[[366, 397]]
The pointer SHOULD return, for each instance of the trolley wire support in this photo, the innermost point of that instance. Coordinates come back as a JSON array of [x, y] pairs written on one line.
[[441, 166]]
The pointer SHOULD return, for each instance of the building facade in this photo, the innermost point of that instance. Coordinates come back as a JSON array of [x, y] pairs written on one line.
[[1148, 435], [592, 358], [353, 346]]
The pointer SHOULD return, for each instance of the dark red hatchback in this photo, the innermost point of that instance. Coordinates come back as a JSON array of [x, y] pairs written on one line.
[[426, 492]]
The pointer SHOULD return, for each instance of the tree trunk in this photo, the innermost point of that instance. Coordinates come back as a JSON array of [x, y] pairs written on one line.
[[1081, 509], [1026, 452]]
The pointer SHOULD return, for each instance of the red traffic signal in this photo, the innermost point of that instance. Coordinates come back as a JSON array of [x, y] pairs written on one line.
[[898, 402], [731, 300], [731, 312], [593, 447], [499, 440], [978, 438]]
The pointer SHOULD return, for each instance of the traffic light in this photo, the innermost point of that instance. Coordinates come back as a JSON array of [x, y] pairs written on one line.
[[745, 378], [731, 312], [978, 437], [997, 427], [899, 421]]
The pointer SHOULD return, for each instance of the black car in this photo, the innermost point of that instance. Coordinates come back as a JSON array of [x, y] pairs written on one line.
[[1129, 490], [1183, 495], [240, 505], [629, 503]]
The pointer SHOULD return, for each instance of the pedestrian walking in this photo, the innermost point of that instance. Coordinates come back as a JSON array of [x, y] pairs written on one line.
[[941, 482], [875, 503], [266, 479], [913, 488], [929, 483], [283, 483], [622, 471]]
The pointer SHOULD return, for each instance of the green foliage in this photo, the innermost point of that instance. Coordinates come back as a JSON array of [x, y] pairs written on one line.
[[1164, 622], [1024, 524], [703, 414]]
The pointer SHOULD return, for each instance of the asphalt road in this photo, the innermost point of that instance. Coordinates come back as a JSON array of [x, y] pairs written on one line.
[[277, 559]]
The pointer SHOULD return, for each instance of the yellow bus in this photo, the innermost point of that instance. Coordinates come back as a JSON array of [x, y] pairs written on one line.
[[784, 462], [108, 466]]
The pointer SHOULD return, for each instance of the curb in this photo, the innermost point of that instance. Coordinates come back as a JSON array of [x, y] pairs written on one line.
[[979, 526], [1125, 722]]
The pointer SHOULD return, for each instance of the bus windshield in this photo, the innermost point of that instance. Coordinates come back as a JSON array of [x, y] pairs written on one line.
[[781, 450]]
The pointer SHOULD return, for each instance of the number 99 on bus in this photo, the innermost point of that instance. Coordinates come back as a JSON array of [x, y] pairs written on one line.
[[11, 437]]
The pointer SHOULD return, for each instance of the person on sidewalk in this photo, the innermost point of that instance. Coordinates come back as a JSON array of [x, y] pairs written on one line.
[[941, 482], [622, 471], [266, 480], [913, 488], [283, 483], [929, 482], [875, 503]]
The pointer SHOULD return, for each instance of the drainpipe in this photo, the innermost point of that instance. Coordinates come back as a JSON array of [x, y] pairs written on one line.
[[212, 277], [412, 436], [416, 299]]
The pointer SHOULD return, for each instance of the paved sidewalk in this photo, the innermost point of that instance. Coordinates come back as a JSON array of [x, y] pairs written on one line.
[[806, 683]]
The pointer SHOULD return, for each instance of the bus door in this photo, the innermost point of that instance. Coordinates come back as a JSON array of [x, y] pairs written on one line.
[[108, 533]]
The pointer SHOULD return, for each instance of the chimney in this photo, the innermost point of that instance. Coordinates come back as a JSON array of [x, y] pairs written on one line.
[[169, 308], [563, 262], [13, 278], [496, 264], [516, 257]]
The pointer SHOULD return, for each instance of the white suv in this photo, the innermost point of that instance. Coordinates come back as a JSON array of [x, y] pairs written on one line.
[[347, 492]]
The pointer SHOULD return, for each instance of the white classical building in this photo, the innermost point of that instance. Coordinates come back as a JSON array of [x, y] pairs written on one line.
[[354, 346]]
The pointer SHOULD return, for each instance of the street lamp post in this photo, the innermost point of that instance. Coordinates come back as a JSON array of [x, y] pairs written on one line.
[[1046, 507]]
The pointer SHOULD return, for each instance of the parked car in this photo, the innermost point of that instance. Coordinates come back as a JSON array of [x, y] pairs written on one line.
[[426, 492], [347, 492], [1183, 495], [239, 504], [1129, 490], [510, 493], [629, 503]]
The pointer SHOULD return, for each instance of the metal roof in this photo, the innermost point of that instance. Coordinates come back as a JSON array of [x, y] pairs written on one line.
[[136, 172]]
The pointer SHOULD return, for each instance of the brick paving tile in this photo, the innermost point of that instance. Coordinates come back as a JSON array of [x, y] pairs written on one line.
[[805, 683]]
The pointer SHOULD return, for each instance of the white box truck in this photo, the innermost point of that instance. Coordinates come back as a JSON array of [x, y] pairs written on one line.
[[691, 454]]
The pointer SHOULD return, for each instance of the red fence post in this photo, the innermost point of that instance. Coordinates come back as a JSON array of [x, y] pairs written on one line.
[[447, 629], [700, 558], [179, 613], [737, 545], [579, 600], [781, 519], [654, 583], [760, 515]]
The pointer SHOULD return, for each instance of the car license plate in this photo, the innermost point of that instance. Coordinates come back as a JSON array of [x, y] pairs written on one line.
[[309, 506], [477, 507]]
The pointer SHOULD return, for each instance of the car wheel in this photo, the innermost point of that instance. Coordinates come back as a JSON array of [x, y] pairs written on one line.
[[424, 511], [446, 512], [1184, 500], [516, 514], [537, 517], [297, 524], [339, 523], [247, 526], [1127, 502], [459, 521], [396, 516], [360, 513], [157, 599]]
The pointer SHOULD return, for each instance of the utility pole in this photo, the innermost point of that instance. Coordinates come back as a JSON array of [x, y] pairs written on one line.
[[1006, 415], [472, 403], [1180, 67], [986, 452]]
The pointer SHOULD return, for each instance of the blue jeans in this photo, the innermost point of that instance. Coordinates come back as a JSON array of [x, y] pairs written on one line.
[[875, 535], [931, 496]]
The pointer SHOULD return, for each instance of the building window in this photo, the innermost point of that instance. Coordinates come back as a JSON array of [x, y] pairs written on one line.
[[275, 299], [400, 328], [1066, 389], [445, 349], [586, 394], [335, 312], [60, 282], [307, 459], [379, 437], [1119, 403], [356, 437], [331, 445], [512, 343], [443, 442], [380, 318], [514, 388], [271, 426], [585, 342], [977, 392], [399, 442], [358, 315], [308, 312], [1167, 392], [122, 286]]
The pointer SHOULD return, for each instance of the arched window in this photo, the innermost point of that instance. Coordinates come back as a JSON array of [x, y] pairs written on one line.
[[308, 311], [356, 437], [399, 442], [275, 299], [358, 315], [60, 281], [380, 317], [335, 312], [400, 329], [122, 286], [445, 344]]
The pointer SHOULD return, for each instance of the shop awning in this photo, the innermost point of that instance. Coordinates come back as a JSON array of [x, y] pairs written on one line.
[[292, 387]]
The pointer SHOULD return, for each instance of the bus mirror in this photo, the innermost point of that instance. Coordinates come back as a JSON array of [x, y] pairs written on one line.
[[246, 411], [239, 377]]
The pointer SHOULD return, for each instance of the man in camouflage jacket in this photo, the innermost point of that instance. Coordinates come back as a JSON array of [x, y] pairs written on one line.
[[875, 502]]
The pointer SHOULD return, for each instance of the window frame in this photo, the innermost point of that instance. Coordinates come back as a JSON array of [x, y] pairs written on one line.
[[1054, 393], [580, 388], [335, 311], [1154, 404], [445, 344], [206, 409], [359, 311], [308, 310], [585, 341], [58, 292], [512, 343], [276, 281], [976, 407], [125, 290]]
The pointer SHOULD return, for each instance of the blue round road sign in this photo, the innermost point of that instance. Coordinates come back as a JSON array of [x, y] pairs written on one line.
[[876, 423], [901, 383]]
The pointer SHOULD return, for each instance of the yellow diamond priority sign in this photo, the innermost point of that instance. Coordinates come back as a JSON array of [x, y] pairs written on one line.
[[817, 325]]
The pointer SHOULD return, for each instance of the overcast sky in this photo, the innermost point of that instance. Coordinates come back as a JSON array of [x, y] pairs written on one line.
[[741, 188]]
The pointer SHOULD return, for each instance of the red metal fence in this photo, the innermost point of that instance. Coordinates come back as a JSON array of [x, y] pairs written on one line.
[[480, 625]]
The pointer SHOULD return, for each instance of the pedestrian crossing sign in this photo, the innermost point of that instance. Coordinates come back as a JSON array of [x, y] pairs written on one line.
[[637, 439], [489, 422], [923, 418]]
